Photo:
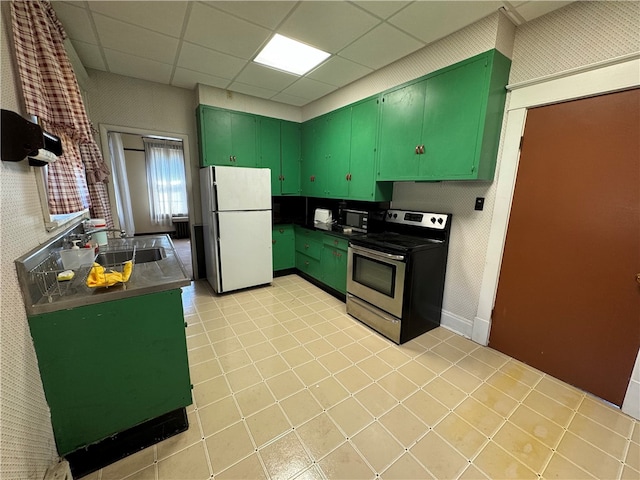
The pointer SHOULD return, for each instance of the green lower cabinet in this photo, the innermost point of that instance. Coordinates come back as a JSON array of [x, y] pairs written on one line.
[[108, 367], [308, 265], [334, 268], [283, 247], [322, 256]]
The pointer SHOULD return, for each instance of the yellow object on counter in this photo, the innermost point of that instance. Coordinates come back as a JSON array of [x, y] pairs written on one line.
[[66, 275], [100, 277]]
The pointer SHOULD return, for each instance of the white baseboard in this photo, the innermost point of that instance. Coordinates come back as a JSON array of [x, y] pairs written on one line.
[[456, 323], [481, 331]]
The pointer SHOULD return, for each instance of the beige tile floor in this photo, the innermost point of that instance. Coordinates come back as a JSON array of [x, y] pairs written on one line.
[[286, 385]]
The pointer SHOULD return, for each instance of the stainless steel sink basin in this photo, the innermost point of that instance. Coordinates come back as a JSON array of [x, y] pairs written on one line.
[[142, 255]]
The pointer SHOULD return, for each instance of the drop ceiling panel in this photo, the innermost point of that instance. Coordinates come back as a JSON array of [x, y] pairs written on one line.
[[290, 99], [252, 90], [339, 71], [329, 26], [265, 77], [430, 21], [89, 54], [76, 21], [265, 13], [531, 10], [188, 79], [309, 89], [136, 67], [205, 60], [213, 43], [381, 46], [225, 33], [117, 35], [164, 17], [382, 9]]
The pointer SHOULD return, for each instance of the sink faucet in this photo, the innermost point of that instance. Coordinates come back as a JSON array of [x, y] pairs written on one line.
[[122, 233], [89, 231]]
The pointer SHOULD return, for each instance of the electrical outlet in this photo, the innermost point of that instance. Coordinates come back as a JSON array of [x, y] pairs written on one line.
[[479, 203]]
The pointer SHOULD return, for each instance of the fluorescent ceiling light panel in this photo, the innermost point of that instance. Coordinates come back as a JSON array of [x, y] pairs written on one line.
[[290, 55]]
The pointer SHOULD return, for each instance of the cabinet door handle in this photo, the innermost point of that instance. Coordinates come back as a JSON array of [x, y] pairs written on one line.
[[281, 230], [306, 245], [283, 178], [421, 149], [231, 158], [335, 242], [417, 149], [306, 262], [273, 242]]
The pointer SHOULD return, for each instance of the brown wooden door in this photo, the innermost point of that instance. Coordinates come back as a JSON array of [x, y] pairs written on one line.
[[568, 302]]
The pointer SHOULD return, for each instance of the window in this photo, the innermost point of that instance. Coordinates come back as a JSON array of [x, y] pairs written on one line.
[[166, 178]]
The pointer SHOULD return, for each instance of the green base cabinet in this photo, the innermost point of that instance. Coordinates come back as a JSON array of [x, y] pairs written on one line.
[[334, 262], [283, 250], [227, 138], [322, 256], [110, 366], [445, 126]]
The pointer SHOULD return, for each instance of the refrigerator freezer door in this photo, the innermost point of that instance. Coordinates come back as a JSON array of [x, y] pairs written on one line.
[[242, 189], [245, 249]]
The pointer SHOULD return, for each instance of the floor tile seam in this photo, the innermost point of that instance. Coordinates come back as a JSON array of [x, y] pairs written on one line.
[[259, 450], [508, 453], [375, 471], [553, 447], [567, 459], [495, 430], [415, 459], [293, 426], [412, 443], [421, 463], [615, 411], [345, 438], [588, 418], [565, 386], [553, 450], [451, 412], [620, 462]]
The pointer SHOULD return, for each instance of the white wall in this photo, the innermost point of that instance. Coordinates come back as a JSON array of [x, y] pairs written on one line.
[[148, 106], [28, 446]]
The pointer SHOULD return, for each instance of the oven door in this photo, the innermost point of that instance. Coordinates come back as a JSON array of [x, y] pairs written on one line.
[[377, 278]]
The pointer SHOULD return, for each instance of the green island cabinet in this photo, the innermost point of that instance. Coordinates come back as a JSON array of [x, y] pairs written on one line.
[[446, 125], [280, 149], [110, 366], [283, 250], [322, 256], [338, 154], [227, 137]]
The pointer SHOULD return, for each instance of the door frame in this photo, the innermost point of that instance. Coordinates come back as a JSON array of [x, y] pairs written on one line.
[[617, 74], [105, 128]]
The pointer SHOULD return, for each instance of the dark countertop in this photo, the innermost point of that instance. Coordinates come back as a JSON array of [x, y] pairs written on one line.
[[336, 230]]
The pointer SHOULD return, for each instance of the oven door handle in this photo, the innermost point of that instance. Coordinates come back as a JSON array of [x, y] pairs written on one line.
[[366, 252]]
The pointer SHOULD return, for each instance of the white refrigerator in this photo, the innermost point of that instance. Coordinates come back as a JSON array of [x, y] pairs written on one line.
[[236, 215]]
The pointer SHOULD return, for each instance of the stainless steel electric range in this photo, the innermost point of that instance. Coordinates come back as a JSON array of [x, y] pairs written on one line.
[[395, 277]]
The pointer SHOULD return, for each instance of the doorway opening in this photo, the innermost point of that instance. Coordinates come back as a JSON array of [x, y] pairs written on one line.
[[151, 185]]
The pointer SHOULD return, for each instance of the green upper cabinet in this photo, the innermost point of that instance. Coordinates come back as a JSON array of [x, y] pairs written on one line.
[[335, 143], [227, 138], [401, 117], [339, 154], [290, 138], [362, 163], [447, 125], [269, 143], [312, 165]]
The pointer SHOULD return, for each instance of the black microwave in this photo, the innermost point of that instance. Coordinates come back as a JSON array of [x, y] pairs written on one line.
[[354, 219]]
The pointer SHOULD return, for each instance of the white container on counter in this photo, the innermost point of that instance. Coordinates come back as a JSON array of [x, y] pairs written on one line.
[[96, 224]]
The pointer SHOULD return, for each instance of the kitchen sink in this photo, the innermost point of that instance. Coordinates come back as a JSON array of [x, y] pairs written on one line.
[[142, 255]]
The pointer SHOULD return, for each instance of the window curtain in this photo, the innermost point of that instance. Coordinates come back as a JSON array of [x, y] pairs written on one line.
[[121, 184], [77, 180], [166, 179]]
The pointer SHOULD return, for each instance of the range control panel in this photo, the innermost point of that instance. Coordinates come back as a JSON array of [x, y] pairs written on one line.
[[418, 219]]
